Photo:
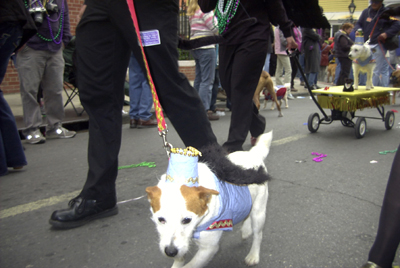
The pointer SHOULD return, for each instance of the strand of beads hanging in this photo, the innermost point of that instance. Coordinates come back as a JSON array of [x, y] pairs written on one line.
[[226, 14], [49, 20]]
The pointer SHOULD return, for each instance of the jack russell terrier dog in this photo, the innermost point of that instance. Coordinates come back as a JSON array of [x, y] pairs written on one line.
[[364, 62], [190, 202]]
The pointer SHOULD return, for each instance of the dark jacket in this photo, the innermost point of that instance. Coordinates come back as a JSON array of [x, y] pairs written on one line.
[[342, 45], [15, 11], [311, 50], [266, 12], [390, 27]]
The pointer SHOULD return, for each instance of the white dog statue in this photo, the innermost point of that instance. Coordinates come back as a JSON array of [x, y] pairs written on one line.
[[364, 62]]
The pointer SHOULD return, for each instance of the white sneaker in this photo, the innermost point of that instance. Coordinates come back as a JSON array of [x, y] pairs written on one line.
[[35, 137], [60, 133]]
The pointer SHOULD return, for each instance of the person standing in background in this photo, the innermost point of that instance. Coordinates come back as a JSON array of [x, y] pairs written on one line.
[[201, 25], [41, 63]]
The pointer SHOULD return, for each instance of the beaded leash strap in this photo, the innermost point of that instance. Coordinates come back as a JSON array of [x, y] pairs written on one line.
[[162, 126]]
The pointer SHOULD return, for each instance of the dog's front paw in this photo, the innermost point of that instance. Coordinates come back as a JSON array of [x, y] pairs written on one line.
[[252, 259], [272, 108], [280, 115]]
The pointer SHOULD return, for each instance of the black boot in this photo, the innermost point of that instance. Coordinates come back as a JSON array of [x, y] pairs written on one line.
[[80, 212]]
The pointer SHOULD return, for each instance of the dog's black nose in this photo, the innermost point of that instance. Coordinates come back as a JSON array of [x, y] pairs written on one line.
[[171, 251]]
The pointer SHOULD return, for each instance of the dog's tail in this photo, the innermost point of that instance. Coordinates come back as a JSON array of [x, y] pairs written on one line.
[[262, 145], [225, 170]]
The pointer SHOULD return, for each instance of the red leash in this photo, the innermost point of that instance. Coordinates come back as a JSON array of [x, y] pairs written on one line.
[[162, 126]]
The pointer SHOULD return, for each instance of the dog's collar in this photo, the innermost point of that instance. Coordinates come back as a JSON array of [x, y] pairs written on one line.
[[368, 60]]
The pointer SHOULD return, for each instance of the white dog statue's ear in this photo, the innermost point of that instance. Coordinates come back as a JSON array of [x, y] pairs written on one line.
[[154, 195], [197, 198]]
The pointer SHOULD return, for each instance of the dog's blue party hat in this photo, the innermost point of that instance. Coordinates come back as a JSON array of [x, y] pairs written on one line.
[[183, 166]]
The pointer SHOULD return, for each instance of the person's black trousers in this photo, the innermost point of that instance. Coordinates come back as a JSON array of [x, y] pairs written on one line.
[[240, 68], [105, 39], [345, 68]]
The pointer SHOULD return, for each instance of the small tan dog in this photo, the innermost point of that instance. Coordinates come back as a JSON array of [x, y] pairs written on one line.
[[330, 72], [266, 83]]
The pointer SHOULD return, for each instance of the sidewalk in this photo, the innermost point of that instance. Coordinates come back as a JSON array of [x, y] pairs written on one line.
[[76, 122]]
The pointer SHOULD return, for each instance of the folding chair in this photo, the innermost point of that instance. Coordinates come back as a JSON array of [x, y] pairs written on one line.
[[70, 88]]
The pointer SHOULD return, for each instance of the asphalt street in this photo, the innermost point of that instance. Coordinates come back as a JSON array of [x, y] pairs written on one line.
[[320, 214]]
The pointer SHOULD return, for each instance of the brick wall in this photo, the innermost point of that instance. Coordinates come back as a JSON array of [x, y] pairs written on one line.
[[10, 83], [188, 68]]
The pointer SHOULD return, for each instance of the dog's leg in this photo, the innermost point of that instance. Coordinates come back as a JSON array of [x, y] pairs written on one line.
[[246, 229], [208, 244], [356, 73], [178, 263], [272, 104], [370, 74], [286, 100], [394, 97], [257, 214], [278, 106]]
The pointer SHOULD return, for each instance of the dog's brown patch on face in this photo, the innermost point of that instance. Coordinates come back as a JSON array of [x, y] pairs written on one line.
[[197, 198], [154, 195]]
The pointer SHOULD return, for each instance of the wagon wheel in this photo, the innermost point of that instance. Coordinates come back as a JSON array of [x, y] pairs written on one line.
[[360, 127], [389, 120], [313, 122]]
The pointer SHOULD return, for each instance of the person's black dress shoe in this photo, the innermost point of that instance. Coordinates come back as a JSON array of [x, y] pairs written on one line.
[[80, 212]]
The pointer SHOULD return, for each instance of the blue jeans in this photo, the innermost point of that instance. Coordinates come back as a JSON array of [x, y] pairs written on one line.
[[140, 96], [312, 78], [11, 150], [337, 71], [381, 68], [205, 73], [302, 64], [266, 65]]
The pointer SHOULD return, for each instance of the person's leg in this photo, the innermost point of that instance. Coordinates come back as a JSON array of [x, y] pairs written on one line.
[[279, 70], [387, 239], [134, 89], [345, 66], [266, 65], [380, 77], [11, 150], [241, 83], [215, 90], [294, 72], [102, 99], [197, 77], [30, 65], [337, 71], [311, 79], [180, 101], [206, 63], [52, 84], [288, 69], [139, 91], [302, 64]]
